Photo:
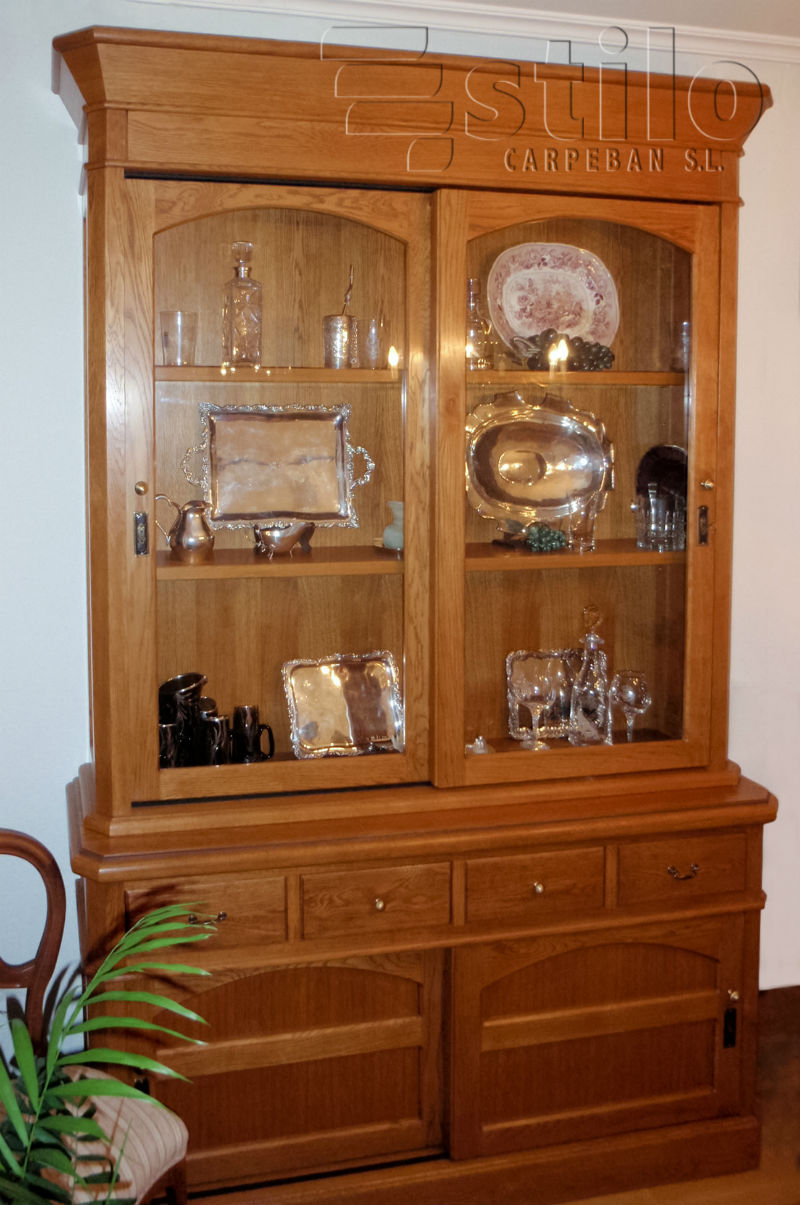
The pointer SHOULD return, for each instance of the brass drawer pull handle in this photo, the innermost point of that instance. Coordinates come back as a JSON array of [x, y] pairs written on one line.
[[379, 904], [693, 869], [538, 888], [191, 919]]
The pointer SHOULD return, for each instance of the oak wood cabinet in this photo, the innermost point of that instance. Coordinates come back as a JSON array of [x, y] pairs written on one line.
[[441, 975]]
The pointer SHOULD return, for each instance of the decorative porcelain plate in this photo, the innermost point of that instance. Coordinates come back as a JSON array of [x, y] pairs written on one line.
[[665, 467], [534, 287]]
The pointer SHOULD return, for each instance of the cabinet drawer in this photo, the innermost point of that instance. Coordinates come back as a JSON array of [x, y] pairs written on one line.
[[250, 909], [681, 868], [376, 901], [531, 886]]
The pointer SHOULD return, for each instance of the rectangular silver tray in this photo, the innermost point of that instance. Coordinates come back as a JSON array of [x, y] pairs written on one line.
[[344, 705]]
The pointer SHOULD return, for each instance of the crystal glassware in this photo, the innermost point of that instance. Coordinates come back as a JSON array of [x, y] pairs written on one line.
[[241, 311], [534, 684], [629, 690], [477, 342], [589, 718]]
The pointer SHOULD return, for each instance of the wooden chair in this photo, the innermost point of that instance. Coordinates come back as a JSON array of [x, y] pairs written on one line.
[[153, 1162]]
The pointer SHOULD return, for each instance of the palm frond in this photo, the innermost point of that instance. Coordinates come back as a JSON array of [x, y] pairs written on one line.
[[152, 998], [26, 1060], [123, 1058]]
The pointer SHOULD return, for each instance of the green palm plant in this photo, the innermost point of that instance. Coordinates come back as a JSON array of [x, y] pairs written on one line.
[[46, 1102]]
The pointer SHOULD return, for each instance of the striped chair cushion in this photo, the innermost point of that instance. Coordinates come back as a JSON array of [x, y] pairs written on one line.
[[152, 1140]]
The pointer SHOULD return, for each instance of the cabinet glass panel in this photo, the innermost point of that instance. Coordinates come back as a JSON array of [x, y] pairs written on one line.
[[276, 445], [578, 411]]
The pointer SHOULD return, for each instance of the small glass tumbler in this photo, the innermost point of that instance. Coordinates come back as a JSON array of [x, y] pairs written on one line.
[[681, 347], [336, 340], [178, 337], [358, 332], [372, 350], [581, 526], [660, 521]]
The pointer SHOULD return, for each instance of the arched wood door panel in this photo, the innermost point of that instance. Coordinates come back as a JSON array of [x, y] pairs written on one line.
[[562, 1039]]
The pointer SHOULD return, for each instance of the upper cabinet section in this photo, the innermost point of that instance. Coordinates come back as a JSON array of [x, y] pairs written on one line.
[[194, 104], [277, 196], [302, 263]]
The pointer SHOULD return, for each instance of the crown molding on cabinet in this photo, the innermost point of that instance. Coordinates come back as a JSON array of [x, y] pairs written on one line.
[[505, 20]]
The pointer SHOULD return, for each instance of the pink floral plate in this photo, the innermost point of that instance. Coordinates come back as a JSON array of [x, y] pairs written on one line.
[[534, 287]]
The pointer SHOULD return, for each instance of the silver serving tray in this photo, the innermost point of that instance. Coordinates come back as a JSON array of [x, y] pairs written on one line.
[[274, 465], [555, 719], [531, 461], [344, 705]]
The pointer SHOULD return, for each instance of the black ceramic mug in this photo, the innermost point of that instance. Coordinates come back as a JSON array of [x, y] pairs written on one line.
[[177, 704], [214, 740], [246, 736], [167, 745]]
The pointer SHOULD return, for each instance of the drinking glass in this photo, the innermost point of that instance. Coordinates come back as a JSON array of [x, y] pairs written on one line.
[[629, 690], [178, 337], [534, 684]]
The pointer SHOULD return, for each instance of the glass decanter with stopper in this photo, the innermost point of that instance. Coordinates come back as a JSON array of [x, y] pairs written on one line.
[[478, 338], [241, 311], [589, 713]]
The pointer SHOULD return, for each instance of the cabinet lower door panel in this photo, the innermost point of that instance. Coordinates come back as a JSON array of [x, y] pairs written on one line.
[[312, 1067], [559, 1040]]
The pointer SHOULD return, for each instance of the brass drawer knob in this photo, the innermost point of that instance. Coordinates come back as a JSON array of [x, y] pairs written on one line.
[[676, 874], [191, 919], [379, 904], [538, 888]]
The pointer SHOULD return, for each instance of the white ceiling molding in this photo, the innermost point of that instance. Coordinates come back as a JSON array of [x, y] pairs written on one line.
[[507, 20]]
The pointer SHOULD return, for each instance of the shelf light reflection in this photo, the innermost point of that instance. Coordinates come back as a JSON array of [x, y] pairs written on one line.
[[557, 356]]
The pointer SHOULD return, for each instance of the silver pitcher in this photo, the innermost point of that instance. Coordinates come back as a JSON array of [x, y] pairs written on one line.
[[190, 537]]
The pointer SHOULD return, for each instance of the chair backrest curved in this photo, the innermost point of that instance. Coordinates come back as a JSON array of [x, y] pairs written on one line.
[[35, 974]]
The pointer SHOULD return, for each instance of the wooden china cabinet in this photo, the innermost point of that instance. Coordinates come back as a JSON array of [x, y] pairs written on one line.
[[440, 975]]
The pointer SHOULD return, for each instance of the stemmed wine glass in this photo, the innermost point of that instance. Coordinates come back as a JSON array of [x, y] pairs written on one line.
[[534, 685], [629, 690]]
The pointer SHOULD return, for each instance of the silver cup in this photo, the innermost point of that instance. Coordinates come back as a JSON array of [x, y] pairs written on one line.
[[336, 331]]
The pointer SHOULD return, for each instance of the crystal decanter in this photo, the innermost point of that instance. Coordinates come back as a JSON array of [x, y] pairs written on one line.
[[589, 713], [478, 341], [241, 312]]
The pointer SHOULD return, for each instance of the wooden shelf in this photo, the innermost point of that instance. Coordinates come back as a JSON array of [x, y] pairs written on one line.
[[521, 376], [481, 557], [266, 374], [353, 561]]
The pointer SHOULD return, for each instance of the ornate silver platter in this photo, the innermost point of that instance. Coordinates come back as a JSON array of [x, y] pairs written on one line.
[[344, 705], [277, 464], [555, 719], [530, 461]]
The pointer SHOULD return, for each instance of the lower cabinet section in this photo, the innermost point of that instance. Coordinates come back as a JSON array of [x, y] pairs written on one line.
[[586, 1035], [311, 1066], [490, 1015]]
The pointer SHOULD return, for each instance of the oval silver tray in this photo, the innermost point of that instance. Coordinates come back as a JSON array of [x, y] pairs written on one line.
[[531, 461]]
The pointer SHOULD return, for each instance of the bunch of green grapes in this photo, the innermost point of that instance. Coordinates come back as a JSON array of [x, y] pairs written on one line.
[[540, 537]]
